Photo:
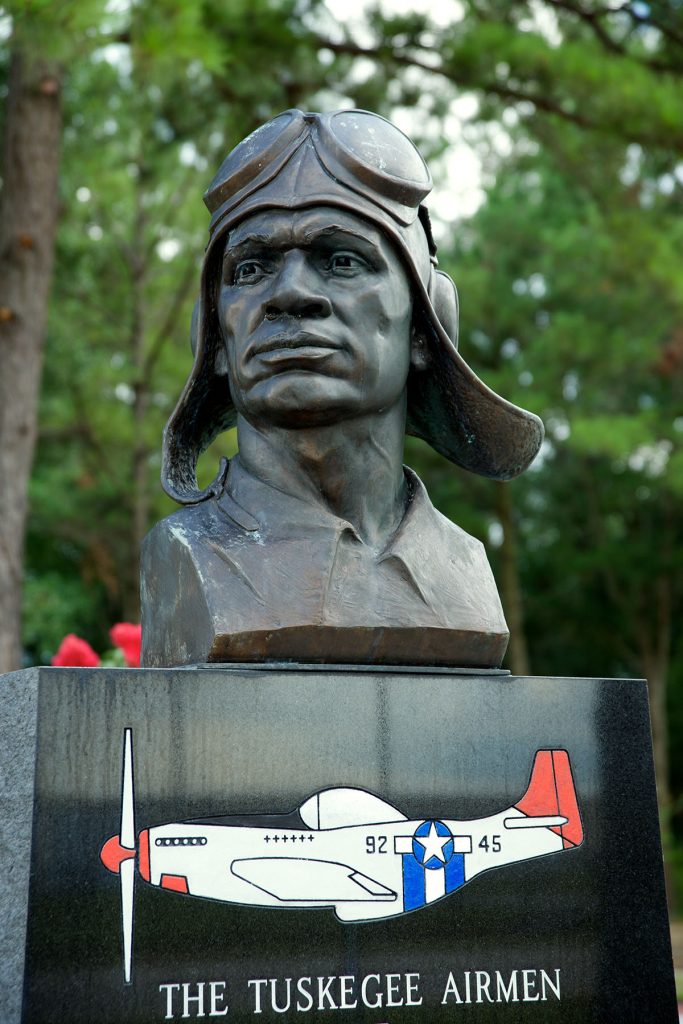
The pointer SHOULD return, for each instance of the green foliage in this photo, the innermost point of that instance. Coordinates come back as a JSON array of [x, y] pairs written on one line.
[[571, 306], [57, 603], [60, 31], [169, 33], [615, 71]]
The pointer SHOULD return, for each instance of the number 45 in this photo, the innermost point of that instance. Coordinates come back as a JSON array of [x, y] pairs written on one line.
[[495, 844]]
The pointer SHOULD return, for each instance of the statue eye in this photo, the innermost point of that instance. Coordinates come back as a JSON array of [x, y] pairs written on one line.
[[247, 272], [345, 263]]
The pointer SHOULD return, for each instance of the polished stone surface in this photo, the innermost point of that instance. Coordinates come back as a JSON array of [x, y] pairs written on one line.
[[18, 721], [435, 745]]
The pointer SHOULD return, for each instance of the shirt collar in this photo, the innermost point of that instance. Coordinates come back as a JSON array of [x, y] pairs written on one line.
[[439, 561], [260, 508]]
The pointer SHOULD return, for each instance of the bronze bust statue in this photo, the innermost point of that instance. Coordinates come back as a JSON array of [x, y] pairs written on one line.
[[324, 332]]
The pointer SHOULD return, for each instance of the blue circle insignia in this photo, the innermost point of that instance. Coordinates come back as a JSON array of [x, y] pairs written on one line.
[[433, 845]]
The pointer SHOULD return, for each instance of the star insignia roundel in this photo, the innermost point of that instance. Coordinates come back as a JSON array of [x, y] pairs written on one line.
[[433, 844]]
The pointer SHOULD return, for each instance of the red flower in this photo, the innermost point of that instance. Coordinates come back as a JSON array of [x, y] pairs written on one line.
[[128, 637], [75, 652]]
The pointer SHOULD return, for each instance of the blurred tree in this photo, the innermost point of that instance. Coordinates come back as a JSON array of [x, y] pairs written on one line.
[[147, 119], [610, 69], [28, 221], [39, 39]]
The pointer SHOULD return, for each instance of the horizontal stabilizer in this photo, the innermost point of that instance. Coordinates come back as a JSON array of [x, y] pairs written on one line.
[[540, 821]]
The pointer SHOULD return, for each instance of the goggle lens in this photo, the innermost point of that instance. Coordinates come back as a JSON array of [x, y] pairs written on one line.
[[377, 153]]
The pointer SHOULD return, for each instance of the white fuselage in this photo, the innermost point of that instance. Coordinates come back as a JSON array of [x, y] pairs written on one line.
[[360, 870]]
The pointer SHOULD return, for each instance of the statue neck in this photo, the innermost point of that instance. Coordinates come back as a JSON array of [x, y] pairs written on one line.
[[354, 468]]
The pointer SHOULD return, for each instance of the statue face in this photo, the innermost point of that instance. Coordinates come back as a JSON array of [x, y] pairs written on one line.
[[315, 309]]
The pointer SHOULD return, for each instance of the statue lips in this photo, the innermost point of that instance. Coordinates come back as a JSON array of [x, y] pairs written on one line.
[[284, 349]]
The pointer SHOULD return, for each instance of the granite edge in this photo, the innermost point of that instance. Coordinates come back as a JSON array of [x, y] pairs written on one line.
[[18, 733]]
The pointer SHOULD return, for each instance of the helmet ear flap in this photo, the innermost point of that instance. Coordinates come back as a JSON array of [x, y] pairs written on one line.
[[444, 298], [221, 359]]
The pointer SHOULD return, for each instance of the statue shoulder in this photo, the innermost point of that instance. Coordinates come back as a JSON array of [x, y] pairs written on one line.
[[175, 584], [188, 528], [458, 537], [447, 536]]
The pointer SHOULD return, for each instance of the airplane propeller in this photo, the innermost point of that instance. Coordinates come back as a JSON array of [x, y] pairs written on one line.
[[118, 854]]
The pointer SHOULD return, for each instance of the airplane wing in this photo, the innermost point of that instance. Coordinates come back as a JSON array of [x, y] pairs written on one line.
[[294, 879], [343, 806]]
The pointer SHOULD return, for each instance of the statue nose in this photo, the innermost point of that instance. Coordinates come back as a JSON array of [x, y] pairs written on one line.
[[297, 291]]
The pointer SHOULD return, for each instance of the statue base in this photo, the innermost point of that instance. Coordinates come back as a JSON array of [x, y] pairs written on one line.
[[405, 845]]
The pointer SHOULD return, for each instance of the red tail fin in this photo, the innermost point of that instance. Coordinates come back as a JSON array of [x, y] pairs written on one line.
[[551, 791]]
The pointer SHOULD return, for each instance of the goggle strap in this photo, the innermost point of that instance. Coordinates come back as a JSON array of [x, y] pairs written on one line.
[[425, 221]]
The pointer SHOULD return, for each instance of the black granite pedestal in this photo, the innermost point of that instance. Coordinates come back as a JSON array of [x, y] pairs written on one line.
[[574, 930]]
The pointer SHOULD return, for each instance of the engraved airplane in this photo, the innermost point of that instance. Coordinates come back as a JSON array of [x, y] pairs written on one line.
[[344, 848]]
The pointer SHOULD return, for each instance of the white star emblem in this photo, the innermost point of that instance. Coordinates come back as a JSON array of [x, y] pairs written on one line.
[[433, 845]]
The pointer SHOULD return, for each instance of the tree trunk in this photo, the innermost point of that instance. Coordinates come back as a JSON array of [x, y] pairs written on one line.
[[28, 223], [511, 591]]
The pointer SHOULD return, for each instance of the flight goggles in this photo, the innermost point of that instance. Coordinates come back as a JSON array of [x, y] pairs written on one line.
[[356, 149]]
